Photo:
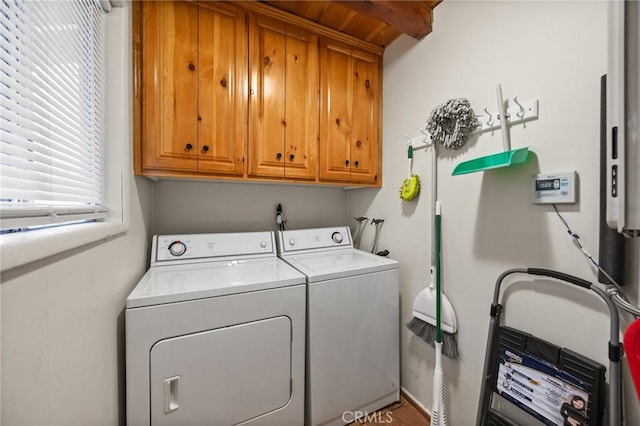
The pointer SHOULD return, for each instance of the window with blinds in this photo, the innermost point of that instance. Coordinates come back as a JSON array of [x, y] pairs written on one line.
[[52, 117]]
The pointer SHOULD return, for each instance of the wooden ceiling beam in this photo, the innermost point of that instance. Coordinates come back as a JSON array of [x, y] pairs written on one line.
[[409, 17]]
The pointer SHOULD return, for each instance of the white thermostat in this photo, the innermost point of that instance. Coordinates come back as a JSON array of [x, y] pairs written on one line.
[[556, 188]]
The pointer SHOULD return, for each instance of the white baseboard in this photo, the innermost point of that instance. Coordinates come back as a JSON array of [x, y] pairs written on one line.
[[414, 400]]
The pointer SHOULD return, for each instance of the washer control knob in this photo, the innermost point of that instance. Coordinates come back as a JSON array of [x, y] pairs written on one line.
[[336, 237], [292, 241], [263, 244], [177, 248]]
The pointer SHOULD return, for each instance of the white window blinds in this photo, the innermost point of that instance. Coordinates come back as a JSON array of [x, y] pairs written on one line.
[[51, 128]]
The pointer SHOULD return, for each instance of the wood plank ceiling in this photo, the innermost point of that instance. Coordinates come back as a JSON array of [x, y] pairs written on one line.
[[377, 21]]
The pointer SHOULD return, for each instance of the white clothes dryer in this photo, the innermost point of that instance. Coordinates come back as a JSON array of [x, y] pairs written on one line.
[[352, 324], [215, 334]]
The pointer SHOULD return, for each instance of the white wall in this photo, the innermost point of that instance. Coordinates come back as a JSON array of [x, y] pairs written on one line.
[[189, 206], [551, 51], [63, 328], [62, 318]]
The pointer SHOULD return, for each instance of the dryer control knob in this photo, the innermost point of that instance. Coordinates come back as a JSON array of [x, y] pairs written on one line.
[[263, 244], [336, 237], [292, 242], [177, 248]]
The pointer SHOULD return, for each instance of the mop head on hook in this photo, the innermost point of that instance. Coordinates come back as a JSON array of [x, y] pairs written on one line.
[[450, 123]]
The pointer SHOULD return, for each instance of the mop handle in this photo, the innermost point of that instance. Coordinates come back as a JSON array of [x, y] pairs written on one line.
[[438, 223], [506, 142]]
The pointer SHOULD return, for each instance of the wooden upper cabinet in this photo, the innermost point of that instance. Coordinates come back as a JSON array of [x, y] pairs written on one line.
[[193, 83], [169, 85], [283, 100], [222, 83], [243, 91], [350, 114]]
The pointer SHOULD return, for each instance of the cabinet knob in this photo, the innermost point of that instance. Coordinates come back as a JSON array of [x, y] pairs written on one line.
[[192, 67], [346, 162], [358, 143], [278, 156], [356, 164], [367, 84], [223, 82], [205, 148], [291, 157], [338, 121], [188, 146]]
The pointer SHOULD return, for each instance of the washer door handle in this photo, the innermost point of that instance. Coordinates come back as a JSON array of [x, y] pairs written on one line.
[[171, 394]]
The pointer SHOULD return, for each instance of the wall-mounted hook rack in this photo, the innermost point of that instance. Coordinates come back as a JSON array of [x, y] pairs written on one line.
[[419, 142], [518, 113], [522, 112]]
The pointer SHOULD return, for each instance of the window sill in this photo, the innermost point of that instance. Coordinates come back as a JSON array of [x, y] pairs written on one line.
[[25, 247]]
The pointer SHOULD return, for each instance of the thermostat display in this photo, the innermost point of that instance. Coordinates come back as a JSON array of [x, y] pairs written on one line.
[[547, 185], [557, 188]]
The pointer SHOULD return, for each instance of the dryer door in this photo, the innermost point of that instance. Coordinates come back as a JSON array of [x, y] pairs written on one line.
[[223, 376]]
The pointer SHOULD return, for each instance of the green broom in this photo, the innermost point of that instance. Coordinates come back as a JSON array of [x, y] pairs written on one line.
[[423, 329], [438, 413], [434, 319]]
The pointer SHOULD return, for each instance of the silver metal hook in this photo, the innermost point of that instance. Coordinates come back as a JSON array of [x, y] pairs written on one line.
[[522, 111], [489, 122], [426, 135]]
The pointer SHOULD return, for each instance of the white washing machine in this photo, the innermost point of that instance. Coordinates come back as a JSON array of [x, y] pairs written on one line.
[[352, 324], [215, 334]]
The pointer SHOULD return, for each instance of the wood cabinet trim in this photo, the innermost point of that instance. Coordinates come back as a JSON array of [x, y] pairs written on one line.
[[136, 32], [270, 11]]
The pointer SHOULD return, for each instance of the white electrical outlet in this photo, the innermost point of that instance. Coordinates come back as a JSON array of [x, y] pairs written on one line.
[[558, 188]]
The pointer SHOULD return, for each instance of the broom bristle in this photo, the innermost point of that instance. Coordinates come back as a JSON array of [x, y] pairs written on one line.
[[427, 332]]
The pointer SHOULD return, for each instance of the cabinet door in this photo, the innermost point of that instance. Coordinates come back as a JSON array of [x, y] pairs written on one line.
[[267, 40], [301, 104], [222, 82], [169, 85], [335, 115], [350, 114], [283, 108], [365, 118]]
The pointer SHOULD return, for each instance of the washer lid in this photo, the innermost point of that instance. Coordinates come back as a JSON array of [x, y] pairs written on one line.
[[331, 264], [180, 283]]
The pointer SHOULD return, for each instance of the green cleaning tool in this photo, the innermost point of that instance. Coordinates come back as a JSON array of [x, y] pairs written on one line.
[[509, 157], [434, 319], [444, 331], [432, 311], [438, 412], [411, 186]]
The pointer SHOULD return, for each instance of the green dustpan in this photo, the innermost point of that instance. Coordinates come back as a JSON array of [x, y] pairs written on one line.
[[493, 161], [508, 157]]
